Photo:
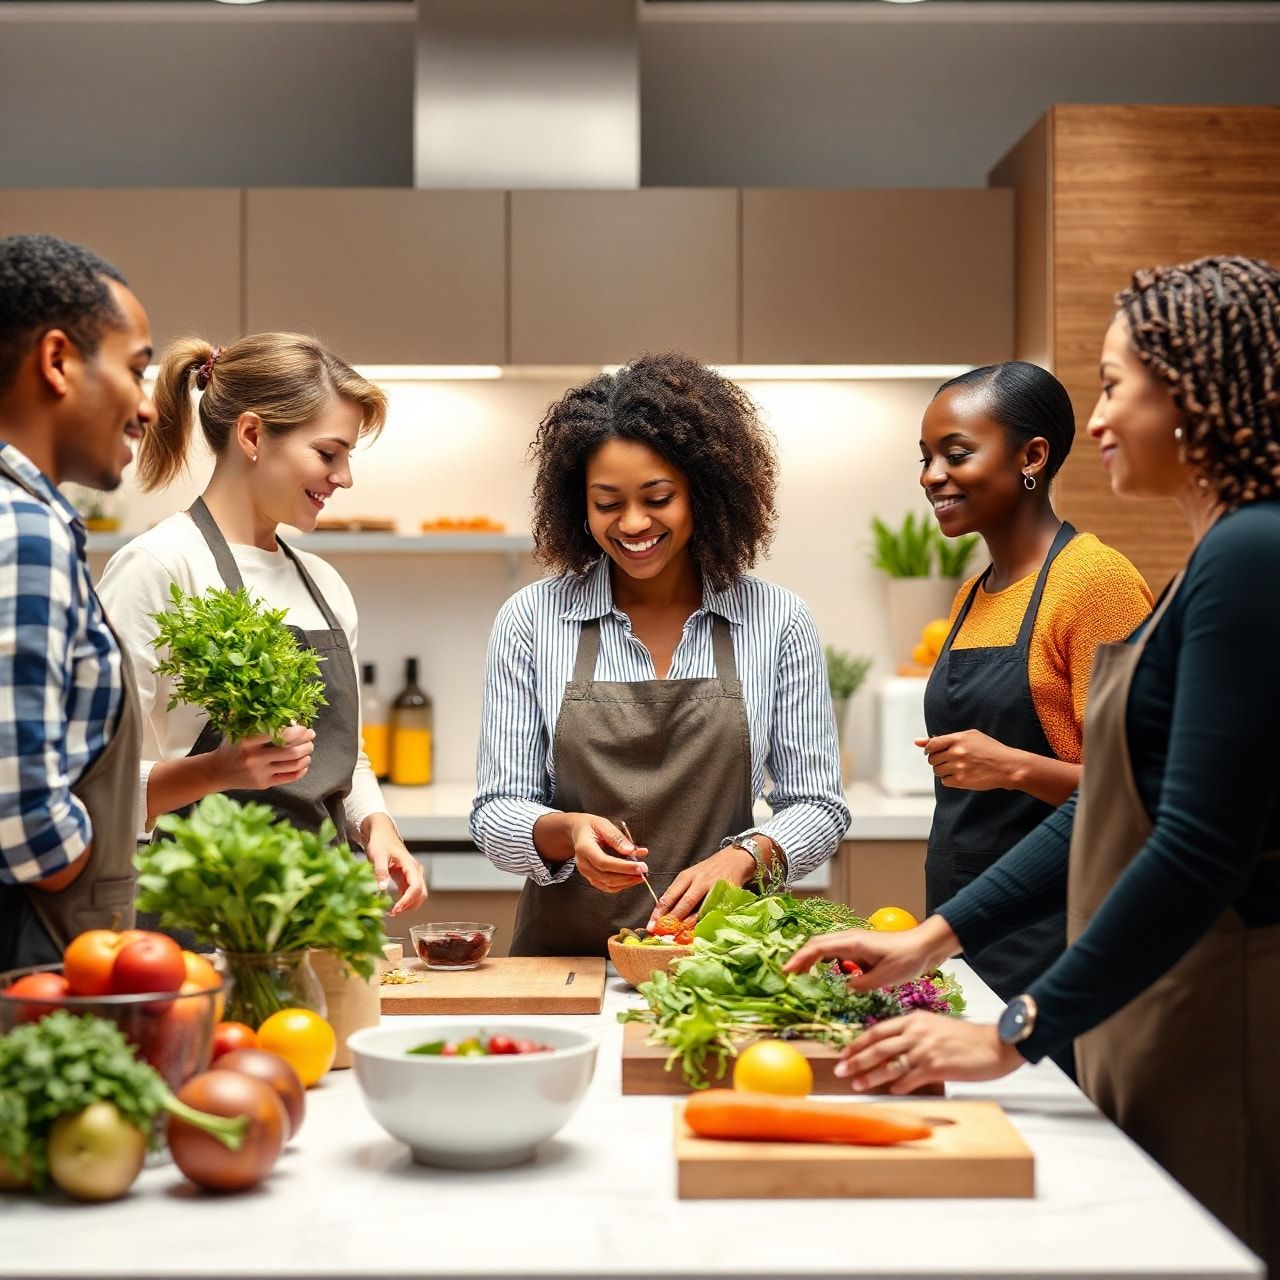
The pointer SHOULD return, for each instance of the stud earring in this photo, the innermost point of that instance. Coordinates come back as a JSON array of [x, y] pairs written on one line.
[[253, 457], [1028, 480], [1182, 448]]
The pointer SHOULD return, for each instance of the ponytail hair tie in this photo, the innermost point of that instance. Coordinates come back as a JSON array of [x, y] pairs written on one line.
[[205, 371]]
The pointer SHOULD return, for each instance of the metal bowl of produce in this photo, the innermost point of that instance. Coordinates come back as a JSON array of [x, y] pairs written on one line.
[[173, 1031], [637, 956], [463, 1096]]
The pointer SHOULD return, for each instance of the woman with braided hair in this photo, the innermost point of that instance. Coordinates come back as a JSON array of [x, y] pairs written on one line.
[[1170, 852]]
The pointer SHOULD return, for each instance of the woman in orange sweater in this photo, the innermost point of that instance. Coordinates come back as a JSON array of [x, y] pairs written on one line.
[[1004, 706]]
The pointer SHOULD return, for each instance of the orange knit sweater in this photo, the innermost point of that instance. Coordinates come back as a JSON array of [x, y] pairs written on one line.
[[1093, 596]]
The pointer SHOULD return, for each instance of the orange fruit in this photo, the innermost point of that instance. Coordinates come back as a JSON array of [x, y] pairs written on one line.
[[922, 655], [772, 1066], [934, 635], [303, 1039], [891, 919]]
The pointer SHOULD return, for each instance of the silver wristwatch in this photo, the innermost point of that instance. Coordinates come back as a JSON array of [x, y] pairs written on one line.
[[752, 846]]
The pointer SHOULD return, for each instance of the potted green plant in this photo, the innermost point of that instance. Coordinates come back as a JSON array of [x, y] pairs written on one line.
[[922, 569], [846, 673]]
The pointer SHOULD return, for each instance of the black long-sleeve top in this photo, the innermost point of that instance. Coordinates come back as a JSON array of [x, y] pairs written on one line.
[[1202, 717]]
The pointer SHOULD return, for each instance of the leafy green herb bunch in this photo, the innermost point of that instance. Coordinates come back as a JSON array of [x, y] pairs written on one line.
[[248, 884], [239, 662]]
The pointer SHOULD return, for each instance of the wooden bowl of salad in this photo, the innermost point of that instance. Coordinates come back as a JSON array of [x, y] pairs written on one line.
[[638, 955]]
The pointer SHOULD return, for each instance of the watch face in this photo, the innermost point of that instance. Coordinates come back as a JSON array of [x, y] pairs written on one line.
[[1015, 1021]]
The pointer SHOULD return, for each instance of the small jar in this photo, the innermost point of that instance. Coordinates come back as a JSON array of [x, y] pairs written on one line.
[[266, 982]]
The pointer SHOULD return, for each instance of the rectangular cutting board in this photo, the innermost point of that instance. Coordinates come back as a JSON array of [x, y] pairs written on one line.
[[502, 984], [643, 1067], [979, 1155]]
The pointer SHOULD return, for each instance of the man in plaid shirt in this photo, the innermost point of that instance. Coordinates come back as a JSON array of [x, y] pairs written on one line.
[[74, 347]]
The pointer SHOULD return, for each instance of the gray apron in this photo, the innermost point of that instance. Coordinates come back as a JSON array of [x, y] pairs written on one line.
[[671, 758], [1188, 1069], [319, 794], [36, 926]]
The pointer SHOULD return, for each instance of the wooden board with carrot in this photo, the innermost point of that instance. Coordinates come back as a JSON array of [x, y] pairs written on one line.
[[937, 1149]]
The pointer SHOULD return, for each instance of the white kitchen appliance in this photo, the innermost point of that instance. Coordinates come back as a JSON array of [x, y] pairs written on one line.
[[904, 770]]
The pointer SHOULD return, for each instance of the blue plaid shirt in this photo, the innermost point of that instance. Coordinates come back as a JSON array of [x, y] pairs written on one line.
[[60, 680]]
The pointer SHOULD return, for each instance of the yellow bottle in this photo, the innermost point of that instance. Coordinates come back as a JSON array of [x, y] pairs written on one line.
[[375, 729], [412, 725]]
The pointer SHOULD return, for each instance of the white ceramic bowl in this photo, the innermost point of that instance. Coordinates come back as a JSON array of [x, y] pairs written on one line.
[[472, 1113]]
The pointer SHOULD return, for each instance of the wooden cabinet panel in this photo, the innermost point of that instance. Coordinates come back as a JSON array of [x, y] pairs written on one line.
[[384, 276], [179, 249], [877, 277], [1132, 187], [600, 276], [880, 873]]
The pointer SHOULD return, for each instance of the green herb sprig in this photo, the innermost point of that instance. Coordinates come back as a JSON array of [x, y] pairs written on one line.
[[239, 662], [244, 882], [62, 1063]]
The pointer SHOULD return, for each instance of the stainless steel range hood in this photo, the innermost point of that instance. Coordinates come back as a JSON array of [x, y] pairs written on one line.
[[527, 93]]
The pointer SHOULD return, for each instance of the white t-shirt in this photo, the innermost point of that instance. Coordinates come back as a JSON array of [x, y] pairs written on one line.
[[136, 584]]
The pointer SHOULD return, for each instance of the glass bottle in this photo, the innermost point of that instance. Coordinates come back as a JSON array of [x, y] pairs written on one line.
[[375, 727], [412, 732]]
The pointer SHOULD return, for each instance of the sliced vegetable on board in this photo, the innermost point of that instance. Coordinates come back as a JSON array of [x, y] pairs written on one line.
[[761, 1117]]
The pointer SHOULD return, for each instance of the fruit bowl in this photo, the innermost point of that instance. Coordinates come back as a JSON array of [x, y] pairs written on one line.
[[171, 1031], [474, 1112], [637, 963]]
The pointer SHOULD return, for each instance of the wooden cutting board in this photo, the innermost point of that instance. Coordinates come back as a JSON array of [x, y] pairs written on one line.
[[979, 1155], [502, 984], [644, 1067]]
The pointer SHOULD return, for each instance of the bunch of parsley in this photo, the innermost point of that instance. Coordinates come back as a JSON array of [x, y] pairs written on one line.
[[239, 662]]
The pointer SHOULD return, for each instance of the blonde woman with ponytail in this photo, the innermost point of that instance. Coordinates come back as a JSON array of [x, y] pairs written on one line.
[[281, 415]]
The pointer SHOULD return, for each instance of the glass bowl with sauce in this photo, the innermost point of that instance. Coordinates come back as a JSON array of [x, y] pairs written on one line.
[[452, 944]]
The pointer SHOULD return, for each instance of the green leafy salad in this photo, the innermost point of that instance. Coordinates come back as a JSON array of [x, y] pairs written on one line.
[[733, 988], [239, 663]]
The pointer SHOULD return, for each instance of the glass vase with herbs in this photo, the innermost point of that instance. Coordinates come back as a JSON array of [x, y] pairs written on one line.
[[263, 893]]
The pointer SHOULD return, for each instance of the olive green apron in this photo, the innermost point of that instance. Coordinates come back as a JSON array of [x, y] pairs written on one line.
[[36, 926], [1188, 1069], [671, 758]]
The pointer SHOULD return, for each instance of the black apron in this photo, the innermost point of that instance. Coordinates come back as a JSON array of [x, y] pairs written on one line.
[[35, 926], [319, 794], [671, 758], [988, 689]]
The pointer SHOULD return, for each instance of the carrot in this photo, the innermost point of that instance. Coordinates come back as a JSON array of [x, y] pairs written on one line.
[[765, 1117]]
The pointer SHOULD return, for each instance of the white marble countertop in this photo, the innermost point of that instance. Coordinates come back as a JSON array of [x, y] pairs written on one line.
[[440, 812], [346, 1201]]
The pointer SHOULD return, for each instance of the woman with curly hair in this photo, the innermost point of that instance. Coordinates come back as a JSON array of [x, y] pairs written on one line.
[[651, 682], [1170, 852]]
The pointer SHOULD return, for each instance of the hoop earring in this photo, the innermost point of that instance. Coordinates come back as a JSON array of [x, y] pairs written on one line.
[[586, 524], [1028, 480]]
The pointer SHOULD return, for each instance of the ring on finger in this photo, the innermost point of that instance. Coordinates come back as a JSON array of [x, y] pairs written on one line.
[[900, 1065]]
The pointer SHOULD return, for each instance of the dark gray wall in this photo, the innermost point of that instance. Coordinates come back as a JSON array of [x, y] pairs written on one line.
[[248, 98], [898, 103]]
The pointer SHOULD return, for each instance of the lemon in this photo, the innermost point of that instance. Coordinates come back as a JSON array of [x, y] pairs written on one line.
[[891, 919], [771, 1066]]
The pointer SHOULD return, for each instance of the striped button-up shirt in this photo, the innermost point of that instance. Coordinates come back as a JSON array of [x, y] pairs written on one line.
[[784, 685], [60, 682]]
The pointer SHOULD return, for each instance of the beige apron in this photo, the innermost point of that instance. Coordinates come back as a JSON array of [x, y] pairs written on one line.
[[36, 926], [1189, 1069], [671, 758]]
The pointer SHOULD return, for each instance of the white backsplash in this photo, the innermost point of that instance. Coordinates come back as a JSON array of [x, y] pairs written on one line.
[[848, 450]]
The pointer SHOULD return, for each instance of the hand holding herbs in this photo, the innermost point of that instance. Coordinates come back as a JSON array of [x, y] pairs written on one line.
[[238, 662], [248, 884], [734, 987], [77, 1106]]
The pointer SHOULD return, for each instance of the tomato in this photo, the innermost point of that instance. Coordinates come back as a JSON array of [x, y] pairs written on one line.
[[501, 1044], [200, 972], [150, 963], [38, 986], [772, 1066], [88, 960], [303, 1039], [230, 1036], [202, 1157], [851, 967], [684, 938], [667, 926], [271, 1069]]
